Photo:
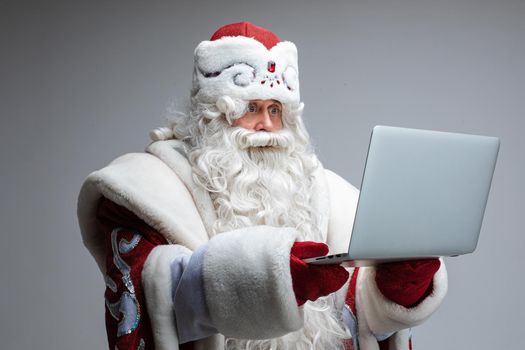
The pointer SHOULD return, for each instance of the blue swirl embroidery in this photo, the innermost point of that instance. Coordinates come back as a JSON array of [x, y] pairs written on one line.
[[126, 246], [127, 309], [110, 283]]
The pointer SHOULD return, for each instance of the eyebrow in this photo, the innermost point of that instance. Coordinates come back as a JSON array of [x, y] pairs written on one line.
[[259, 100]]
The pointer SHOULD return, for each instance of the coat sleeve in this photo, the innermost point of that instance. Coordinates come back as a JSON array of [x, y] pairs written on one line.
[[139, 294], [238, 284], [128, 243]]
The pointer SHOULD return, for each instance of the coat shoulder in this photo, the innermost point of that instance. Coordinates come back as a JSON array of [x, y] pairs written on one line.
[[146, 186]]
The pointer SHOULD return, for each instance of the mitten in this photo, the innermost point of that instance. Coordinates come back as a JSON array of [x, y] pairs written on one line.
[[313, 281], [407, 282]]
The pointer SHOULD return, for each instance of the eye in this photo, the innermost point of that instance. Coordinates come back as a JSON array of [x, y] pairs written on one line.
[[252, 108], [275, 110]]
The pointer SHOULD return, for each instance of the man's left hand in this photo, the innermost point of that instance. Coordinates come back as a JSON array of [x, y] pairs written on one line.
[[407, 282]]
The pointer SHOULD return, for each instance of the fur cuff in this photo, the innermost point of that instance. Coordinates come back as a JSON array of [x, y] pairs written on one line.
[[384, 316], [248, 285], [156, 279]]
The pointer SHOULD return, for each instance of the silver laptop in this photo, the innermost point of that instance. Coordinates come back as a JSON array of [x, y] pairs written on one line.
[[423, 195]]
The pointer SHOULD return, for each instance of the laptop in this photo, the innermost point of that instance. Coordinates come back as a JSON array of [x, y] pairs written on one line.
[[423, 195]]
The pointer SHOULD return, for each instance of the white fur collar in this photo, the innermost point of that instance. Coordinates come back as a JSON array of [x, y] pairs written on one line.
[[173, 154], [146, 186]]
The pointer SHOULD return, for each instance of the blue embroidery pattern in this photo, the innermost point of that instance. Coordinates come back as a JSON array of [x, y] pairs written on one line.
[[127, 309], [110, 283]]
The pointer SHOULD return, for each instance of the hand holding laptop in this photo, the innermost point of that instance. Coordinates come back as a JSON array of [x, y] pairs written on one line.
[[313, 281], [407, 282], [404, 282]]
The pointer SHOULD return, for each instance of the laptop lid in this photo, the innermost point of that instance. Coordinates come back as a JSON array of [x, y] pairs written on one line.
[[423, 194]]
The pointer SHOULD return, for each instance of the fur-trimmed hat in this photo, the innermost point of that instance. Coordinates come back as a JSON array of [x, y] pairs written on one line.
[[244, 61]]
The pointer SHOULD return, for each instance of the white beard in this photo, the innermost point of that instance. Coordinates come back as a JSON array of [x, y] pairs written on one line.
[[260, 178], [256, 178]]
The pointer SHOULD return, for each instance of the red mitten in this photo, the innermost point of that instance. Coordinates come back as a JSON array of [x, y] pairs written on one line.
[[313, 281], [407, 282]]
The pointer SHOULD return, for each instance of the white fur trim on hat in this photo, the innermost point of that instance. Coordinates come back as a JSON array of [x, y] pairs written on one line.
[[238, 67], [248, 285]]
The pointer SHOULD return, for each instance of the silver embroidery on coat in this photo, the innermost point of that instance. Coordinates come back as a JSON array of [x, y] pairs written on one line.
[[125, 246], [127, 309], [110, 283]]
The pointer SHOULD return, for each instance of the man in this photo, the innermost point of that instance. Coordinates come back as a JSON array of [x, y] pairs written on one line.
[[200, 239]]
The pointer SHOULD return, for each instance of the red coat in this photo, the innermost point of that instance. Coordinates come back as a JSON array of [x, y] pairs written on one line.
[[153, 202]]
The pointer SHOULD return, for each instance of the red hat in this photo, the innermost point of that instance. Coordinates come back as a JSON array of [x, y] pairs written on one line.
[[242, 60], [248, 30]]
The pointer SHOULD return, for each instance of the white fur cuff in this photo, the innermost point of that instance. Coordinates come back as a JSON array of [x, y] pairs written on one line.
[[157, 282], [248, 285], [384, 316]]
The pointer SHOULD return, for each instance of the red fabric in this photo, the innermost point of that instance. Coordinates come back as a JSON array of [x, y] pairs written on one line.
[[350, 295], [407, 282], [109, 217], [383, 345], [313, 281], [249, 30]]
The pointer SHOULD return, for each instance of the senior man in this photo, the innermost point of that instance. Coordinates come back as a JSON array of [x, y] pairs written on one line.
[[201, 238]]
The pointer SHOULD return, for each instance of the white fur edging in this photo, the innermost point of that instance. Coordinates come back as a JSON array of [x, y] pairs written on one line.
[[248, 285], [384, 316], [157, 282], [145, 185]]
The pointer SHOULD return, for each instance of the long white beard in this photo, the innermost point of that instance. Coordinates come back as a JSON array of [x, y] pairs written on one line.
[[256, 178], [264, 178]]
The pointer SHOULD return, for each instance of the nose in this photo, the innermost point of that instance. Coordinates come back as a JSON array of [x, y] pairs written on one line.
[[264, 122]]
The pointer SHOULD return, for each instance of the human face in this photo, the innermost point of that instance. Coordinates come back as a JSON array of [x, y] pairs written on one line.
[[262, 115]]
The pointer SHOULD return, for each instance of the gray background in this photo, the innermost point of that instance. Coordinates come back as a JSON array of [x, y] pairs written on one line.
[[83, 82]]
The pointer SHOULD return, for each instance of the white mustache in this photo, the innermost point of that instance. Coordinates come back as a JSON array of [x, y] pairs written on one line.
[[280, 139]]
